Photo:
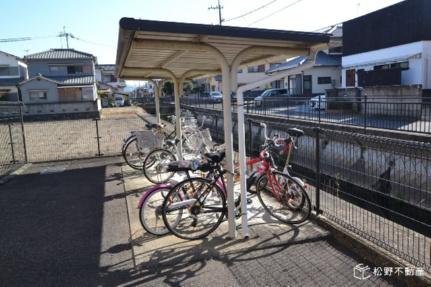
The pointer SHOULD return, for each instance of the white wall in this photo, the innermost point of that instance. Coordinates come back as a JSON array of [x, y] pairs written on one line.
[[415, 75], [427, 64], [316, 72]]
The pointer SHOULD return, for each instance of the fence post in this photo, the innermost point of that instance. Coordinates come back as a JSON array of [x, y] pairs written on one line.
[[24, 142], [98, 137], [317, 207], [319, 108], [250, 137], [216, 126], [365, 113], [11, 143]]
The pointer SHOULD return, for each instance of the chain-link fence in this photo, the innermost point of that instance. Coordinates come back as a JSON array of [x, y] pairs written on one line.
[[12, 142], [73, 139]]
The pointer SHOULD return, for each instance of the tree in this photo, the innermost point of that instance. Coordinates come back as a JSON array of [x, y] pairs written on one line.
[[168, 88]]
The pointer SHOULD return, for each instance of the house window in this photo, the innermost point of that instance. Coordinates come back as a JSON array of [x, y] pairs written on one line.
[[324, 80], [8, 71], [401, 65], [74, 70], [256, 69], [36, 95], [350, 78], [55, 68]]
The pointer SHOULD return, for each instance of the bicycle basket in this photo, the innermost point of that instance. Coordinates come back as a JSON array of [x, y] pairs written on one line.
[[207, 139]]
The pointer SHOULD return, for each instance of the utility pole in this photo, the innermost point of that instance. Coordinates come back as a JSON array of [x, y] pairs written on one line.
[[66, 35], [219, 7]]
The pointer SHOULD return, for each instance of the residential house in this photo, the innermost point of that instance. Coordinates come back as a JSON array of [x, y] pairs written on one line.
[[324, 74], [13, 70], [60, 81], [108, 84], [105, 74], [391, 46], [245, 76]]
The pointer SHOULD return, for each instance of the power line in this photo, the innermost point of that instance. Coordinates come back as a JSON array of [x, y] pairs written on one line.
[[252, 11], [93, 43], [273, 13]]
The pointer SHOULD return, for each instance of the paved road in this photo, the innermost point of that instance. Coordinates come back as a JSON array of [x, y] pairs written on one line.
[[66, 224], [306, 112]]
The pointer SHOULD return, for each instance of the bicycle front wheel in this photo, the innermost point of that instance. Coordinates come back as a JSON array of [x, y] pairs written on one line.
[[284, 198], [202, 206], [150, 213], [133, 155], [156, 163]]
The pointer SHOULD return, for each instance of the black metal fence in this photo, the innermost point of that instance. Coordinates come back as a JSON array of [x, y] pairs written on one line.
[[410, 114], [376, 187]]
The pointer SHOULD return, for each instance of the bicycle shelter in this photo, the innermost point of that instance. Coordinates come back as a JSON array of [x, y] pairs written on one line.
[[149, 50]]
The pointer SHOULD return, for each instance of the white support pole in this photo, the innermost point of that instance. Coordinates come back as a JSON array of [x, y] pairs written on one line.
[[241, 135], [241, 145], [157, 99], [178, 117], [227, 119]]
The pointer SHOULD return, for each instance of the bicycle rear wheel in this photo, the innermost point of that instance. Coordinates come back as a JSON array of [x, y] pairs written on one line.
[[156, 163], [202, 206], [286, 200]]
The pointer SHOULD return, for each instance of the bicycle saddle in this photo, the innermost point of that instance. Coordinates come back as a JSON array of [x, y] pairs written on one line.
[[188, 165], [172, 142], [153, 126], [295, 132], [215, 157], [182, 165]]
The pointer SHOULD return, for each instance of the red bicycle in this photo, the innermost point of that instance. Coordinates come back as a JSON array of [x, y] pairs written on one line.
[[281, 194]]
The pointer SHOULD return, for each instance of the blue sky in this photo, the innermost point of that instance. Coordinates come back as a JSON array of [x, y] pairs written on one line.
[[96, 21]]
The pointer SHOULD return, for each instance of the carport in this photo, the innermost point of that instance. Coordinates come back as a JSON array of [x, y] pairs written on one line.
[[149, 50]]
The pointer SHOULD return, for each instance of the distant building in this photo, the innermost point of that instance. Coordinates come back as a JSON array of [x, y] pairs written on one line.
[[391, 46], [13, 70], [105, 74], [108, 84], [324, 74], [60, 81]]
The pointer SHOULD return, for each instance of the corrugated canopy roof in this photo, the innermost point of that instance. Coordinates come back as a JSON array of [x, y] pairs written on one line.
[[146, 49]]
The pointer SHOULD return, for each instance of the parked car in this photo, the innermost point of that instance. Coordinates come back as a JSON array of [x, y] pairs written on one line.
[[216, 97], [318, 102], [268, 94], [119, 100]]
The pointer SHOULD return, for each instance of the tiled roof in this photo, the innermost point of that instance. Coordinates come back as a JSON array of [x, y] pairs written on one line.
[[63, 54], [74, 80], [322, 60], [66, 81]]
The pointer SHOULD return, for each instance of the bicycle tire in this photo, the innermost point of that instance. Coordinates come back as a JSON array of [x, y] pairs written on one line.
[[150, 212], [176, 196], [152, 161], [281, 210], [136, 163]]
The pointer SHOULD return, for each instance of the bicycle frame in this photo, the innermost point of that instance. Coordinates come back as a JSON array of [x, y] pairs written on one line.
[[150, 191]]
